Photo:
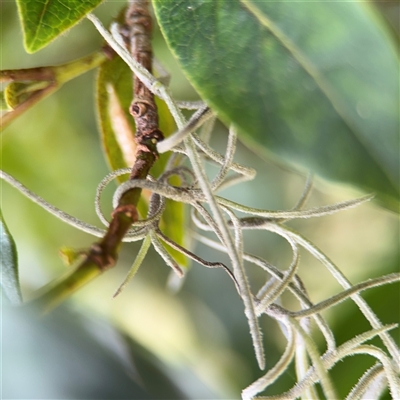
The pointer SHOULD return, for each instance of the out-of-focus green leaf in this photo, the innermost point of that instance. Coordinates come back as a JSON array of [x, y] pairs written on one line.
[[114, 95], [313, 82], [43, 20], [9, 264], [117, 129]]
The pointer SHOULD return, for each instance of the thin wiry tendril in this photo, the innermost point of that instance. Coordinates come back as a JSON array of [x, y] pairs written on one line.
[[274, 373], [164, 254], [196, 258], [63, 216], [190, 105], [138, 224], [371, 377], [287, 215], [207, 128], [277, 289], [334, 300], [199, 117], [218, 158], [230, 151], [132, 236], [137, 263], [306, 193]]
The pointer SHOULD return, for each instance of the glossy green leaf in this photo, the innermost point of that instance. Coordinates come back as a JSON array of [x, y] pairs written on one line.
[[117, 129], [43, 20], [9, 264], [315, 83]]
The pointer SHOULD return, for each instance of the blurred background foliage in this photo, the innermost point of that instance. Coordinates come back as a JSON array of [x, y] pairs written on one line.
[[149, 342]]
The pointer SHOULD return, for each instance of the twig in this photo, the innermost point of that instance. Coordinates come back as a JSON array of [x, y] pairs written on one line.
[[54, 76], [104, 254]]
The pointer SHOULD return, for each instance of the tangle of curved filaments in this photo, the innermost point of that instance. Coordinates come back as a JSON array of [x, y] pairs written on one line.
[[181, 172], [138, 224], [339, 276], [194, 158], [254, 223], [277, 274], [244, 173], [329, 359], [237, 262], [215, 221], [295, 289]]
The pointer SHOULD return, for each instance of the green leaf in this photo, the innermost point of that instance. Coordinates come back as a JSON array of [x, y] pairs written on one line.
[[315, 83], [9, 264], [43, 20], [117, 130], [114, 95]]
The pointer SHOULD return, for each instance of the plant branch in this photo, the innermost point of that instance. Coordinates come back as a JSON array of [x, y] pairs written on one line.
[[52, 77], [104, 254]]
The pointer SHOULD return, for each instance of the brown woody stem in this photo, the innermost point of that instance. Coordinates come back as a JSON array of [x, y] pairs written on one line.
[[54, 76], [104, 254]]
